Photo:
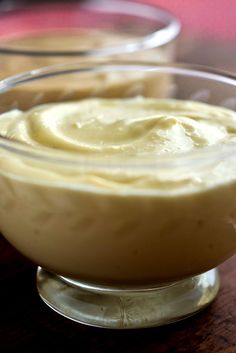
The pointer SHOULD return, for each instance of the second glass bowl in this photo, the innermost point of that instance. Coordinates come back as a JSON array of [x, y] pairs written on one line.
[[33, 34]]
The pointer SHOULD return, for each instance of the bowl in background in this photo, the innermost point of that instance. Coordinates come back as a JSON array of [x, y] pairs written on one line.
[[34, 34]]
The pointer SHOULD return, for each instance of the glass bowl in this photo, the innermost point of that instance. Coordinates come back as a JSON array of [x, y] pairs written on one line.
[[39, 34], [126, 257]]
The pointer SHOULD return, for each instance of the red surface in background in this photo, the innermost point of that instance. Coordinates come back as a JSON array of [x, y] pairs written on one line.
[[30, 20], [208, 18]]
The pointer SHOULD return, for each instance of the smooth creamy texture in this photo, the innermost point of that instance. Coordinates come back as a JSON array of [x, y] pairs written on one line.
[[130, 127], [120, 225]]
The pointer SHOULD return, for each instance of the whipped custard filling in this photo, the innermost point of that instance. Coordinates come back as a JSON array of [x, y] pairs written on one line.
[[137, 128], [122, 127]]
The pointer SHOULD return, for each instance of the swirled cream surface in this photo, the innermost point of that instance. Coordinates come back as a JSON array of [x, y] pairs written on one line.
[[110, 233], [133, 127]]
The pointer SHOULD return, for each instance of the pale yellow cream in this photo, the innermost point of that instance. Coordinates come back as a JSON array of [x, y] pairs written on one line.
[[120, 224], [123, 127]]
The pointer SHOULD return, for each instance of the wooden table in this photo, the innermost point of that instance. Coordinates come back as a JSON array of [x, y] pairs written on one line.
[[27, 325]]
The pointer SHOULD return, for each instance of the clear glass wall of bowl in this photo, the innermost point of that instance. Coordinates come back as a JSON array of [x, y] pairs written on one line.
[[136, 256], [35, 34]]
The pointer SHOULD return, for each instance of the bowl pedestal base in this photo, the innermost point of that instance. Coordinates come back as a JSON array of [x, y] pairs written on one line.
[[118, 308]]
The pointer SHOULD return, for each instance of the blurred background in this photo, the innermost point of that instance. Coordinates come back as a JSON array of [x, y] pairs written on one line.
[[208, 31], [208, 34]]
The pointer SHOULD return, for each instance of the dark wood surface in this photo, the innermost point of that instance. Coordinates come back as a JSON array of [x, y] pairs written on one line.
[[27, 325]]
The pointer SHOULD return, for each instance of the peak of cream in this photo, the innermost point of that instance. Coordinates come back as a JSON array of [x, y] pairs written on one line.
[[123, 127]]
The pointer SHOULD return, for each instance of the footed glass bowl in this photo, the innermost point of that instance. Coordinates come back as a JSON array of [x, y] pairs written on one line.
[[126, 257]]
